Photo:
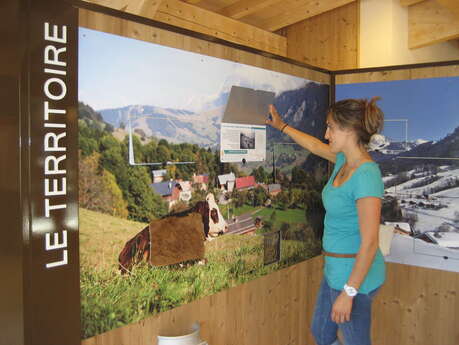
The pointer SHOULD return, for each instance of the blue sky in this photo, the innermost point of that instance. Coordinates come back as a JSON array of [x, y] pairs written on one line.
[[115, 71], [430, 105]]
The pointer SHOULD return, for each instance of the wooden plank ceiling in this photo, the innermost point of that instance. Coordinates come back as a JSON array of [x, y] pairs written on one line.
[[270, 15], [432, 21], [249, 22], [257, 23]]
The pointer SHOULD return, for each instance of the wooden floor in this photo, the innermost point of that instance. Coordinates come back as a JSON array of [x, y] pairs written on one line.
[[416, 306]]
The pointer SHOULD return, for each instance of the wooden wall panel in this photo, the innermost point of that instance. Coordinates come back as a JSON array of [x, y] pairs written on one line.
[[416, 306], [329, 40], [272, 310], [104, 23], [405, 74]]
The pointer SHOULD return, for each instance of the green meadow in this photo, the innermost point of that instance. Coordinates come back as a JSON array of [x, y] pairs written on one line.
[[109, 300]]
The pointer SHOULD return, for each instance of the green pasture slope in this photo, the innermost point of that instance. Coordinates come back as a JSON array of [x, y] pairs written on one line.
[[109, 300]]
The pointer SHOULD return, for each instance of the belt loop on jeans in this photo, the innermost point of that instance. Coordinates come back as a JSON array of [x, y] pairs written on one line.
[[338, 255]]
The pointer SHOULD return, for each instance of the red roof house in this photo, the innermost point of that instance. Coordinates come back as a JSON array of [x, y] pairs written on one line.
[[247, 182]]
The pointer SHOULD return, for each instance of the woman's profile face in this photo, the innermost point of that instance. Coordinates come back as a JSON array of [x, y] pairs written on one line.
[[335, 135]]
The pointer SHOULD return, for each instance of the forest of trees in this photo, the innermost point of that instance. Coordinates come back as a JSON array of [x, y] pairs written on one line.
[[110, 185]]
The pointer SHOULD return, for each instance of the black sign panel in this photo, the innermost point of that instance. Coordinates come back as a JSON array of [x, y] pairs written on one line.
[[50, 97], [271, 247]]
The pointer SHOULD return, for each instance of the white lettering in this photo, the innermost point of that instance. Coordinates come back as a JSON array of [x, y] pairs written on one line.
[[55, 190], [52, 142], [64, 261], [49, 207], [52, 55], [55, 71], [47, 90], [55, 89], [48, 110], [55, 163], [56, 244], [55, 125], [54, 36]]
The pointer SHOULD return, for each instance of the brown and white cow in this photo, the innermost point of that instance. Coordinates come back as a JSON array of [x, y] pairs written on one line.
[[218, 225], [176, 238]]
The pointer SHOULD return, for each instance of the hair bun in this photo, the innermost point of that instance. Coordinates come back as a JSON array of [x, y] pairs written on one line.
[[361, 115], [373, 117], [377, 142]]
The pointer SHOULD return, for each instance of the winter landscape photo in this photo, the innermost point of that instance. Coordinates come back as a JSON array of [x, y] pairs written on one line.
[[163, 221], [419, 159]]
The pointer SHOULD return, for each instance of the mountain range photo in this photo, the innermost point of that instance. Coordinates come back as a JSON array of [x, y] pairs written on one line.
[[419, 161], [302, 108]]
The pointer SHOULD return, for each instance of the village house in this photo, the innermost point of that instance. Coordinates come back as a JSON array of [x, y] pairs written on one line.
[[226, 182], [274, 189], [201, 181], [158, 175], [245, 183], [168, 190]]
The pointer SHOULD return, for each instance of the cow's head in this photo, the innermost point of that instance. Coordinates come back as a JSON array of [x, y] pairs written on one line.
[[217, 224], [134, 251], [214, 215]]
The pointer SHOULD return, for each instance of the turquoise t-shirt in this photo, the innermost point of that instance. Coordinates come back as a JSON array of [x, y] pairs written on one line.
[[341, 224]]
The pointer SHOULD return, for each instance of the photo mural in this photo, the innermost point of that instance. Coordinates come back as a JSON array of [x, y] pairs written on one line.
[[419, 159], [162, 220]]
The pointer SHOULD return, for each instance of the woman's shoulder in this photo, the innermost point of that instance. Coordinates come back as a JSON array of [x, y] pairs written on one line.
[[368, 181], [368, 171], [368, 165]]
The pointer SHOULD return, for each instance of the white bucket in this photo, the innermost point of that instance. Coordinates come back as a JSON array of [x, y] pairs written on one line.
[[188, 339]]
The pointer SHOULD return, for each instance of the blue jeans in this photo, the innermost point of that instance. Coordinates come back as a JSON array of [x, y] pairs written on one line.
[[355, 332]]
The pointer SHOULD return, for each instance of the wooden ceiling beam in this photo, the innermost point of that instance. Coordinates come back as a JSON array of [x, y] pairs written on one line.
[[193, 2], [243, 8], [406, 3], [181, 14], [143, 8], [430, 23], [307, 9], [452, 5]]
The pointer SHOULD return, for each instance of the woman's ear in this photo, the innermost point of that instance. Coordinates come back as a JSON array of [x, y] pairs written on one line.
[[351, 134]]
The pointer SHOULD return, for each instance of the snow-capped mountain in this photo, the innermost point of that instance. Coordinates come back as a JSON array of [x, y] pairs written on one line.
[[302, 108], [174, 125]]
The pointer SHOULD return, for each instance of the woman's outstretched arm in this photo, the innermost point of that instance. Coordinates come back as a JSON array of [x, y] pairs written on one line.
[[307, 141]]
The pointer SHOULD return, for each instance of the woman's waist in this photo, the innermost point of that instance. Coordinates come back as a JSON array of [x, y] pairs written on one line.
[[345, 243]]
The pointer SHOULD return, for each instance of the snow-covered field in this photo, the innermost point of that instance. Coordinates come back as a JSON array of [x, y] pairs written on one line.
[[432, 208], [415, 252], [434, 199]]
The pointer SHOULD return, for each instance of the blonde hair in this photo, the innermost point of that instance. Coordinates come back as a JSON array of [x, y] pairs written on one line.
[[361, 115]]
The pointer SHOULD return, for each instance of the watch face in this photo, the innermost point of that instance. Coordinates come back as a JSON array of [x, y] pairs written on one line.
[[350, 291]]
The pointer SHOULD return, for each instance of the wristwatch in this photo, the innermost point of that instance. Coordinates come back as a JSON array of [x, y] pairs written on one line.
[[350, 291]]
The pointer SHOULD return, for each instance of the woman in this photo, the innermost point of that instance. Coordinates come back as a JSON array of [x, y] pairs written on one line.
[[354, 266]]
